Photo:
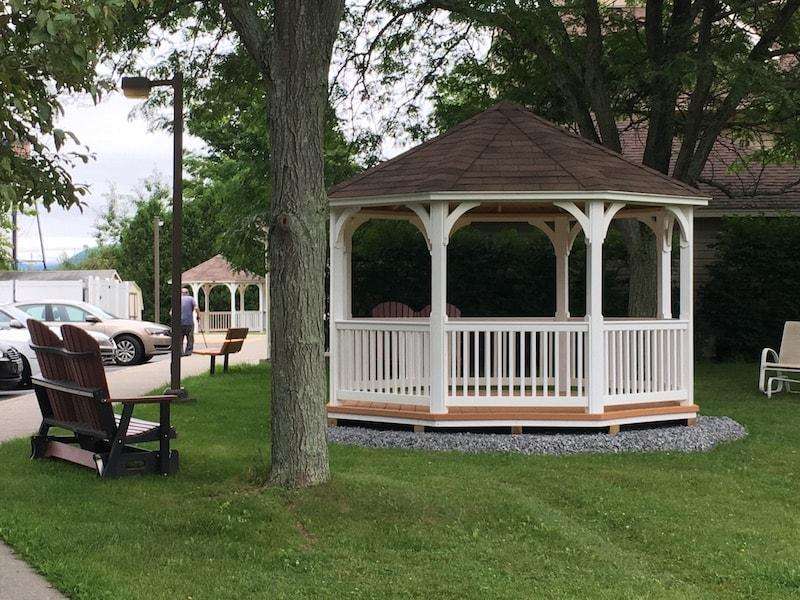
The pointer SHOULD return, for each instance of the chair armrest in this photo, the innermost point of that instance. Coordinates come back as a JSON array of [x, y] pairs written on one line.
[[67, 387], [765, 355], [144, 399]]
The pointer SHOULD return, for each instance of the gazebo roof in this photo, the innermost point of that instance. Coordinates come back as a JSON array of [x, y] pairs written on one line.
[[218, 270], [508, 148]]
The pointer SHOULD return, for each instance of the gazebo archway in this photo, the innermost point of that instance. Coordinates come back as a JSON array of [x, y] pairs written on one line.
[[217, 272], [508, 165]]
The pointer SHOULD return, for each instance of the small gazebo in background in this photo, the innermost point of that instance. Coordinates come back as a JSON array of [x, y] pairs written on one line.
[[217, 271]]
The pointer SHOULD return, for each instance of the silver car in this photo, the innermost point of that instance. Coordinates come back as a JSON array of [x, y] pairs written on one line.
[[14, 332]]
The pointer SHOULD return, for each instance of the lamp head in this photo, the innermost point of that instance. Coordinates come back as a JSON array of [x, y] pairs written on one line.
[[136, 87]]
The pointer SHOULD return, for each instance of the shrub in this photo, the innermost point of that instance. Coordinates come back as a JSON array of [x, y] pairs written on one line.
[[753, 288]]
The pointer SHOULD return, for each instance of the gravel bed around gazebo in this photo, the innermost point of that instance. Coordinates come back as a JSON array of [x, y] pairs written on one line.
[[704, 436]]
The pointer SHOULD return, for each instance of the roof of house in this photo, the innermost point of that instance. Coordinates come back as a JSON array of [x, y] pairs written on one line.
[[755, 187], [68, 275], [218, 270], [509, 148]]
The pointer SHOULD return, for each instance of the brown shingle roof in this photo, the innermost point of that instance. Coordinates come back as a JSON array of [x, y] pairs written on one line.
[[218, 270], [509, 148], [756, 187]]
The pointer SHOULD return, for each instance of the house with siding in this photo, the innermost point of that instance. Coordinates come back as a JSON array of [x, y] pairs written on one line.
[[735, 188]]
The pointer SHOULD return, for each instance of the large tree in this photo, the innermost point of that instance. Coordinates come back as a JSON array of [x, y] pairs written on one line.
[[686, 70], [291, 43]]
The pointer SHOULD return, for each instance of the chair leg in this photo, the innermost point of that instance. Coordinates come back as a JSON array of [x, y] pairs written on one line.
[[163, 438], [225, 365], [39, 441], [213, 363], [110, 467]]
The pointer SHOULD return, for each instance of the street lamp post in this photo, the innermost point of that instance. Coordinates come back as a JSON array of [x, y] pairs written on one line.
[[139, 87]]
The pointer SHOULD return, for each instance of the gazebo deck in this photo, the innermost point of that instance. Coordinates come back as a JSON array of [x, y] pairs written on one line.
[[525, 416]]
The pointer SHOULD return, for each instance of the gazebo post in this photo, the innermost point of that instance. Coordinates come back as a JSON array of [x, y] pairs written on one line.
[[562, 247], [338, 283], [242, 290], [687, 298], [596, 217], [663, 231], [232, 289], [206, 293], [438, 235]]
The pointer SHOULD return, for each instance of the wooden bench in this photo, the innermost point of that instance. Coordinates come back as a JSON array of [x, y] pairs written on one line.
[[73, 395], [234, 340]]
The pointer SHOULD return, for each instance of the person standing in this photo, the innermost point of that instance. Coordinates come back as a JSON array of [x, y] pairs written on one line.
[[188, 312]]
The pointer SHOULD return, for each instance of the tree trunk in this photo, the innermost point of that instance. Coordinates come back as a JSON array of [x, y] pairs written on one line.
[[303, 36], [642, 266], [294, 53]]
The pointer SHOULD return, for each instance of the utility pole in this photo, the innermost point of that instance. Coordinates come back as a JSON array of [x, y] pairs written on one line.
[[156, 272], [41, 239], [14, 262]]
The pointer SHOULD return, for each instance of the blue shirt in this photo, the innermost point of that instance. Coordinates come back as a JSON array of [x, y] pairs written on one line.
[[187, 308]]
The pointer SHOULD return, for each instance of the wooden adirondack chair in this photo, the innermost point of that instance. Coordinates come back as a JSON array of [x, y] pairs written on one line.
[[392, 310], [73, 394], [783, 362], [234, 340]]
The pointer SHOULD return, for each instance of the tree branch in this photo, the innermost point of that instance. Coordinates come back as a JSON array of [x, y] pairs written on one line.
[[248, 25]]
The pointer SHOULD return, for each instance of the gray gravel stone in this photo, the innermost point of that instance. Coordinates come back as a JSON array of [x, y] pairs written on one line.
[[703, 437]]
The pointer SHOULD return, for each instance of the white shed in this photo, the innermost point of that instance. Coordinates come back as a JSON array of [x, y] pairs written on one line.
[[101, 287]]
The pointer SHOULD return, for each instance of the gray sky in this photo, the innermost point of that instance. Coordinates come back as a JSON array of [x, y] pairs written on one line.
[[125, 153]]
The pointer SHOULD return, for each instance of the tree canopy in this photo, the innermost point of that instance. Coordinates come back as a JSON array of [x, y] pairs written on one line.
[[48, 48]]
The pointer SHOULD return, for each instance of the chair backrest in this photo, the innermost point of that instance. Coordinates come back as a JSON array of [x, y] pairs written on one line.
[[392, 310], [790, 344], [234, 340], [53, 365], [86, 370], [452, 311]]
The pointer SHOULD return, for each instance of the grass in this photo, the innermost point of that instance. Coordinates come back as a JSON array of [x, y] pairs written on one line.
[[403, 524]]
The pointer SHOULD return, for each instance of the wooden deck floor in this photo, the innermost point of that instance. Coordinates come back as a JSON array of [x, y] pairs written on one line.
[[466, 416]]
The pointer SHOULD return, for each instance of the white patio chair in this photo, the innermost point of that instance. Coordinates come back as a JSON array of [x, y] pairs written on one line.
[[781, 363]]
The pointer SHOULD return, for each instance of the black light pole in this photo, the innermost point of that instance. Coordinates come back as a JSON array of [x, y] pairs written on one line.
[[139, 87]]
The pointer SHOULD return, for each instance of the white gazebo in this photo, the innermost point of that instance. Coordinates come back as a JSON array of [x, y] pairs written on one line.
[[508, 165], [217, 271]]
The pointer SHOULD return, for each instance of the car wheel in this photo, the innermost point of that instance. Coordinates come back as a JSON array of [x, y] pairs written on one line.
[[26, 374], [147, 358], [129, 350]]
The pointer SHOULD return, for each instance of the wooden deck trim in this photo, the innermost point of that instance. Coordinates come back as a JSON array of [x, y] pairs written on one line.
[[509, 413]]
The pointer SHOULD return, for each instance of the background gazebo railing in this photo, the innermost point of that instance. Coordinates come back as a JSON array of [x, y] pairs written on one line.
[[222, 321]]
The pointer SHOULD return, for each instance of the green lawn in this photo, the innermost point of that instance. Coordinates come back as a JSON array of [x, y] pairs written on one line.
[[395, 524]]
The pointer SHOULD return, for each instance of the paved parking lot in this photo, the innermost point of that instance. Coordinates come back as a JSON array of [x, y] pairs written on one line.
[[213, 340]]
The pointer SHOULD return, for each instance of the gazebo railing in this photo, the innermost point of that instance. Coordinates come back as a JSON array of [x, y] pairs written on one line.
[[383, 360], [221, 320], [645, 360], [496, 362], [517, 363]]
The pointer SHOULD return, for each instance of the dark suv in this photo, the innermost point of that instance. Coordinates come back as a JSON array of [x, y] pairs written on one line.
[[10, 368]]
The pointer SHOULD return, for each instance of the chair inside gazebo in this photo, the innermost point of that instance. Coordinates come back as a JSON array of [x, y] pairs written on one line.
[[439, 367]]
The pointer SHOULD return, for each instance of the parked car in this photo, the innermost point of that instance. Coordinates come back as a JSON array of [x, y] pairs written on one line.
[[14, 331], [11, 368], [137, 341]]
